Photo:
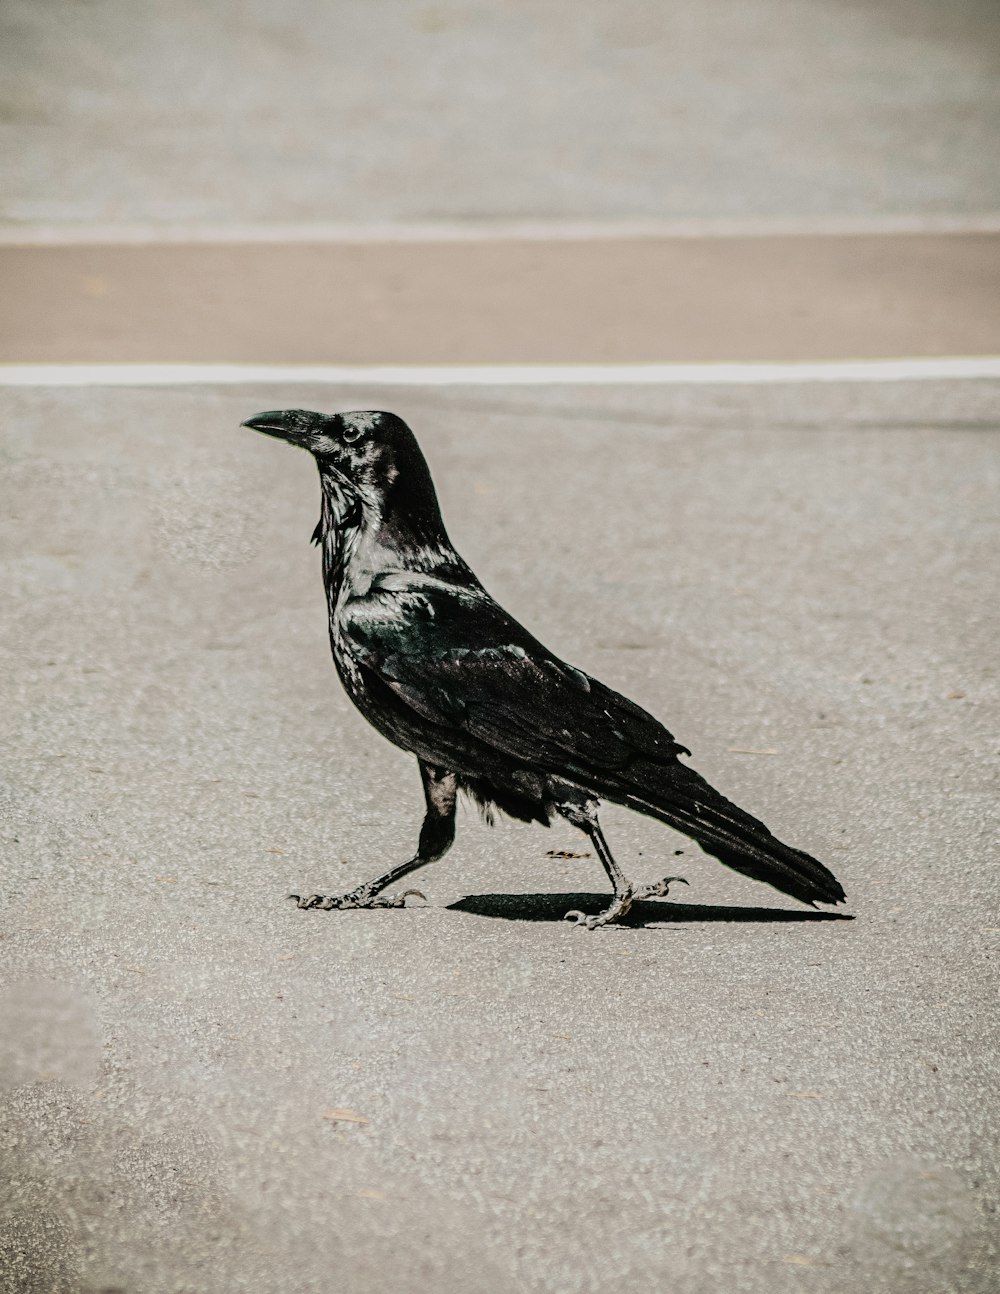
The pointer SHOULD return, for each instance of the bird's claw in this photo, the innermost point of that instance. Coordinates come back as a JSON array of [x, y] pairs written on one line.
[[588, 923], [319, 901], [362, 897], [658, 889], [617, 909], [399, 900]]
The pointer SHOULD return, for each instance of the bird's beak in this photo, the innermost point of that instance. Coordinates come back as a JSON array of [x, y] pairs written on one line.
[[279, 423]]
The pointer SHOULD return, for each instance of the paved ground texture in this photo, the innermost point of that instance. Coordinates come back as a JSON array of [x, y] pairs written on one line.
[[473, 110], [204, 1089]]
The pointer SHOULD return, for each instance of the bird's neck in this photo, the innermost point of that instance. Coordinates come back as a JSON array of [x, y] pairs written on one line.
[[367, 534]]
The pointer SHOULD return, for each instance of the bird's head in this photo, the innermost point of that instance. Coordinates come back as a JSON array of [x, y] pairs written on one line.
[[355, 444], [368, 453]]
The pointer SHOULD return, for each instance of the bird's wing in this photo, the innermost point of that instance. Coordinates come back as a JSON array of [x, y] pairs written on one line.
[[459, 661]]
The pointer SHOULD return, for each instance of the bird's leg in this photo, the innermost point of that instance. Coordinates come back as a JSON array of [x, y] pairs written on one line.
[[584, 815], [436, 837]]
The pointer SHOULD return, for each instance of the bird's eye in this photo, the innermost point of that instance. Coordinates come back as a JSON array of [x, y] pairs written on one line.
[[351, 435]]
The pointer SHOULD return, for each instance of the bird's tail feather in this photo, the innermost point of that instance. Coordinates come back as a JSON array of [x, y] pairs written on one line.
[[734, 836]]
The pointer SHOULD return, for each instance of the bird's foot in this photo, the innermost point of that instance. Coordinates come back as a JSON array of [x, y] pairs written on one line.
[[617, 910], [363, 897], [659, 889], [622, 903]]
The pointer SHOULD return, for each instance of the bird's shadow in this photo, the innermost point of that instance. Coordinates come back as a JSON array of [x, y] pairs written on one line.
[[553, 907]]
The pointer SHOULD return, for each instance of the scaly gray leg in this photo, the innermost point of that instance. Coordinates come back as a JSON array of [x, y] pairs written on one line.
[[436, 837], [582, 813]]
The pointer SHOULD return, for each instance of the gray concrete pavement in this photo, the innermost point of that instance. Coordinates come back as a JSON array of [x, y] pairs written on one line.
[[205, 1089], [412, 110]]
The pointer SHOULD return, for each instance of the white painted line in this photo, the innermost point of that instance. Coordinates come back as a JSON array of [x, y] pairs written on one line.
[[53, 234], [866, 370]]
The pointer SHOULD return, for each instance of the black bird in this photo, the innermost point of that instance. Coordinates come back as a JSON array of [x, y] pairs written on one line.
[[438, 667]]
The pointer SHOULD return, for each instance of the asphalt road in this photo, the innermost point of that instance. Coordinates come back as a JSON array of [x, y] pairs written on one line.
[[205, 1089], [472, 110]]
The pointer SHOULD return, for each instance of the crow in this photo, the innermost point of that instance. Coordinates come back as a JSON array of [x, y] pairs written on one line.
[[440, 669]]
